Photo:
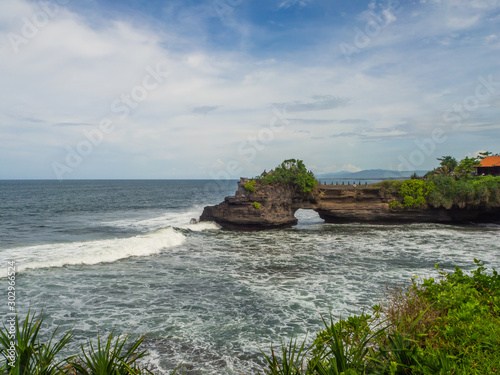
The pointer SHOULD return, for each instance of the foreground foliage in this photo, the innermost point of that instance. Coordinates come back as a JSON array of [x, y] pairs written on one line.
[[449, 325], [445, 326], [28, 355], [111, 356]]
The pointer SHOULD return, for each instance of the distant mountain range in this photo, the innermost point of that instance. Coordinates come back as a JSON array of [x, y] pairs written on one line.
[[373, 174]]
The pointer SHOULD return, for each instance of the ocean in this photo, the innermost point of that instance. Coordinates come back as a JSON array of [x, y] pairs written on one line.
[[102, 256]]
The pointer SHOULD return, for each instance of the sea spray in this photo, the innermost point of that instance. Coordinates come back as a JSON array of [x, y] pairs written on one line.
[[94, 252]]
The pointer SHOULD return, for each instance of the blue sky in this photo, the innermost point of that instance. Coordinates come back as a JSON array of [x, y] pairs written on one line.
[[228, 88]]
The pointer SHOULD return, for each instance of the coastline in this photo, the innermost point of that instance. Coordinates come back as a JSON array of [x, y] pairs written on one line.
[[341, 204]]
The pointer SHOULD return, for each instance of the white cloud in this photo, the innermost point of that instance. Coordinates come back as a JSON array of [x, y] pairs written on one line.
[[64, 80], [289, 3], [462, 22], [491, 38], [463, 14], [350, 168]]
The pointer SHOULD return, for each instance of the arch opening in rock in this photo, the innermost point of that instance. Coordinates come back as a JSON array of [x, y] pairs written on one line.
[[307, 217]]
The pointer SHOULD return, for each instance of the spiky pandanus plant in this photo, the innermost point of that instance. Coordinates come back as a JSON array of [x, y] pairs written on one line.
[[31, 356], [111, 356]]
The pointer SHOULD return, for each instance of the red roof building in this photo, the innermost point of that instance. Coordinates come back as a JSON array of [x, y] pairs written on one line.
[[490, 165]]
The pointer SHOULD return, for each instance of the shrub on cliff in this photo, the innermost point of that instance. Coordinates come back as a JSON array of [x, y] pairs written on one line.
[[413, 193], [293, 173], [471, 192], [465, 167], [250, 186], [446, 192]]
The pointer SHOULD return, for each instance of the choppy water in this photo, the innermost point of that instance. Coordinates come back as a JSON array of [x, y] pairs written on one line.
[[104, 255]]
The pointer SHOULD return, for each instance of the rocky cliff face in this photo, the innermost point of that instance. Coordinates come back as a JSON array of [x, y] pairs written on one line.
[[369, 204], [334, 204], [274, 208]]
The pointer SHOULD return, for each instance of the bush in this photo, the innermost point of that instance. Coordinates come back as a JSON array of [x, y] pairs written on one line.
[[292, 173], [446, 192], [250, 186], [395, 205], [257, 205], [465, 167], [471, 192], [413, 192]]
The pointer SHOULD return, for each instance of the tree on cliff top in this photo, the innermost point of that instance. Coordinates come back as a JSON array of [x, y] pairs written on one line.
[[448, 161], [466, 167], [485, 154], [294, 173]]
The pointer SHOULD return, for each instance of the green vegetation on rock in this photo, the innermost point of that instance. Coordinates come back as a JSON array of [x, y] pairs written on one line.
[[293, 173], [449, 166], [414, 192], [465, 167], [450, 185], [481, 191], [250, 186], [448, 162], [257, 205]]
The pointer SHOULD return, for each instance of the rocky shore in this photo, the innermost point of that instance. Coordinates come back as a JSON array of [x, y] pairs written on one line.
[[272, 206]]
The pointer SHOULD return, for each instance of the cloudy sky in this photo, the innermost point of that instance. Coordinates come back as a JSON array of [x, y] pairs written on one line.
[[227, 88]]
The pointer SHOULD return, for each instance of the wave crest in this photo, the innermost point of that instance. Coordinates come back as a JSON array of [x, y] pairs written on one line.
[[92, 252]]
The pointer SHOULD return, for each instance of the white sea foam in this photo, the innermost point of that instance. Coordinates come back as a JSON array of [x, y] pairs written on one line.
[[93, 252], [214, 304], [168, 219], [199, 227]]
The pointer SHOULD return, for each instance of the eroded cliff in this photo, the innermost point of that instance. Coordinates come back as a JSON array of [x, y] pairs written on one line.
[[272, 206], [268, 207]]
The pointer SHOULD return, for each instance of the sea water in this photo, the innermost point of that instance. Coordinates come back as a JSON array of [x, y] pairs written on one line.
[[122, 256]]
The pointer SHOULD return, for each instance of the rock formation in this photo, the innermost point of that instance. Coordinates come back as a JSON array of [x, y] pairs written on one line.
[[272, 206]]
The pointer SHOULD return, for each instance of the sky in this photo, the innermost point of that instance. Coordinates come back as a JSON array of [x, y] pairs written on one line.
[[132, 89]]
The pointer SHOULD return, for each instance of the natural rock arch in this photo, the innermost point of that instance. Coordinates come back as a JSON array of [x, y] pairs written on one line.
[[274, 206]]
